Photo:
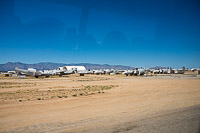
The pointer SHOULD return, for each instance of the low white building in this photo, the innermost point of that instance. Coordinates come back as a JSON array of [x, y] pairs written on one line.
[[74, 68]]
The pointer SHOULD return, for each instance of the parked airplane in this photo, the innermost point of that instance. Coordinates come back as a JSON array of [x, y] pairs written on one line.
[[33, 72], [29, 72], [141, 72], [7, 74], [128, 72], [134, 72], [64, 72]]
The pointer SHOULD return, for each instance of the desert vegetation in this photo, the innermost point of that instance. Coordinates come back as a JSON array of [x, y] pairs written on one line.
[[44, 94], [4, 85]]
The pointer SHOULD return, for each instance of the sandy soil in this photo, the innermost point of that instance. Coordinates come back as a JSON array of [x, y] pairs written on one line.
[[99, 103]]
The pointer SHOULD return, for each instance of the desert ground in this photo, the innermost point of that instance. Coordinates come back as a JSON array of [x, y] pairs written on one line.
[[101, 104]]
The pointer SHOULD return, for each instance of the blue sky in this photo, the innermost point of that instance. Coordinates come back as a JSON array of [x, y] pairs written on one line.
[[138, 33]]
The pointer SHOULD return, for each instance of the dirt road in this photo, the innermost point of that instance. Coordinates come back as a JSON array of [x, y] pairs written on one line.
[[131, 104]]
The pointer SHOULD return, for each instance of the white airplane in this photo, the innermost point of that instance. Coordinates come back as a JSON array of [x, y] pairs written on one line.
[[33, 72], [128, 72], [141, 72], [66, 70], [134, 72], [29, 72], [7, 74], [98, 72]]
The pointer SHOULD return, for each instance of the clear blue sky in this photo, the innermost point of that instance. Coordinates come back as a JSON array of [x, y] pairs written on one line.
[[140, 33]]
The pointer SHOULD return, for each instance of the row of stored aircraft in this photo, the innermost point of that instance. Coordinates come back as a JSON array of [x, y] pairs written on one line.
[[67, 70]]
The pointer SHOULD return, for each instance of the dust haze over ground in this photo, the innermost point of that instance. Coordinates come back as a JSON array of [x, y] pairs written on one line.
[[100, 103]]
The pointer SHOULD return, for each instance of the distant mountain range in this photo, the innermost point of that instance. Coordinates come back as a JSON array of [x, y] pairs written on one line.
[[10, 66]]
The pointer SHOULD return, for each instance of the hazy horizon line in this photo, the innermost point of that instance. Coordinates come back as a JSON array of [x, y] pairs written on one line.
[[96, 64]]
